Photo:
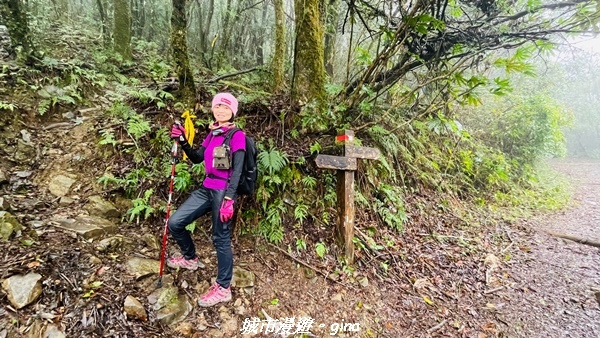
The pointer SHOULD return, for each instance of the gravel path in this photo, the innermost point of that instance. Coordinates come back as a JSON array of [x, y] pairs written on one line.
[[556, 291]]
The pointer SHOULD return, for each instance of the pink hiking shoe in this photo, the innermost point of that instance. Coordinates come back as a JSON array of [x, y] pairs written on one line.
[[216, 294], [181, 262]]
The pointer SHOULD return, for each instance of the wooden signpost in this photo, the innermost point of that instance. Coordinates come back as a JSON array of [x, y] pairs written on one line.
[[346, 165]]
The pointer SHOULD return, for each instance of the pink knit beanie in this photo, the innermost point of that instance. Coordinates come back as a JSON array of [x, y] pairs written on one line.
[[226, 99]]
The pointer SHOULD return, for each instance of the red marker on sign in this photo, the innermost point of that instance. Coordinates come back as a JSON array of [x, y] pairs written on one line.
[[343, 138]]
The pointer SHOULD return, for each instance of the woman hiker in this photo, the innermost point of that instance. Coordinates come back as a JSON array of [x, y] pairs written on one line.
[[217, 195]]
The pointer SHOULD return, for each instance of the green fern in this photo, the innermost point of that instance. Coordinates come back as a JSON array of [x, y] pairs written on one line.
[[109, 179], [315, 148], [309, 182], [301, 212], [272, 161], [300, 245], [7, 106], [137, 126], [107, 137], [270, 226], [390, 207], [141, 207], [44, 106], [183, 178], [320, 249]]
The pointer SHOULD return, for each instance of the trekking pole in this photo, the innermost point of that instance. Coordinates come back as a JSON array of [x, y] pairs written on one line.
[[166, 231]]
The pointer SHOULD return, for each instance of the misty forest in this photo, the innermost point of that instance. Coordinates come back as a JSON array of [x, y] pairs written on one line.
[[425, 167]]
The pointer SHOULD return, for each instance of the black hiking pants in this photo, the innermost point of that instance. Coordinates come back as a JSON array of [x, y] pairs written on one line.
[[201, 202]]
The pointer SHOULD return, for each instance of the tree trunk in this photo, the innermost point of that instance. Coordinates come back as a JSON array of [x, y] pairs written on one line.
[[206, 30], [137, 13], [309, 72], [142, 18], [260, 58], [16, 21], [332, 12], [103, 19], [226, 29], [61, 8], [122, 30], [279, 55], [187, 88]]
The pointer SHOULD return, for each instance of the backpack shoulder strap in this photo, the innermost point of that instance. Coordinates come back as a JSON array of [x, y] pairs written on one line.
[[229, 135]]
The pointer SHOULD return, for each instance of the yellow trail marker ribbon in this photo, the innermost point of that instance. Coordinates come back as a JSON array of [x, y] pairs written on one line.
[[188, 124]]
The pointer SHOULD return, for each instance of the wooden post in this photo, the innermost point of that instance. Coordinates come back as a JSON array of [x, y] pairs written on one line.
[[345, 194], [345, 166], [345, 216]]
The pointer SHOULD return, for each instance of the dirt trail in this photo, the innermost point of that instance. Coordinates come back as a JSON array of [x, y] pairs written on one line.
[[549, 286], [557, 281]]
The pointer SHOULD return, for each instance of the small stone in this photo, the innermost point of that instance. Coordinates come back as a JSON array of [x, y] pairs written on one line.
[[492, 262], [238, 302], [363, 281], [337, 297], [123, 203], [3, 178], [53, 332], [87, 226], [151, 241], [68, 115], [35, 330], [23, 290], [95, 260], [134, 309], [112, 243], [23, 173], [242, 278], [4, 206], [61, 185], [309, 273], [97, 206], [174, 312], [25, 152], [26, 135], [230, 327], [185, 329], [334, 276], [8, 225], [36, 224], [162, 297], [65, 201], [142, 267]]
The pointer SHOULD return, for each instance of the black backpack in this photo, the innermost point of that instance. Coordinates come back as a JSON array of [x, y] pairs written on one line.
[[247, 184]]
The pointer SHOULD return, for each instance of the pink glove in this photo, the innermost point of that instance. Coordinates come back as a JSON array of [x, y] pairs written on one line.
[[226, 210], [178, 133]]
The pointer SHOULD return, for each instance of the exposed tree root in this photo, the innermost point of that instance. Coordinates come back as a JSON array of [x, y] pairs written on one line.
[[579, 240]]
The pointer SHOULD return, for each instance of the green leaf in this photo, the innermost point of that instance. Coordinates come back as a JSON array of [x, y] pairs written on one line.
[[27, 242], [96, 284], [320, 249], [88, 294]]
